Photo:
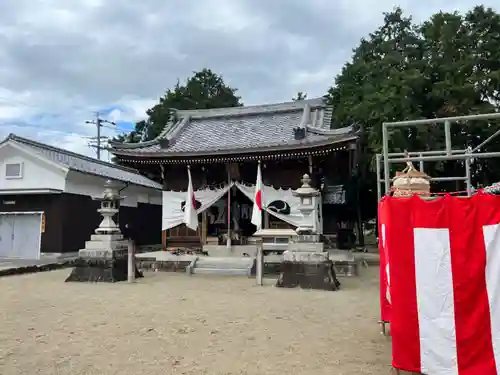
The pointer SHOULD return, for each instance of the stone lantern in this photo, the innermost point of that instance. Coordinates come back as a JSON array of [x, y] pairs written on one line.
[[307, 194], [104, 258], [410, 182], [109, 208]]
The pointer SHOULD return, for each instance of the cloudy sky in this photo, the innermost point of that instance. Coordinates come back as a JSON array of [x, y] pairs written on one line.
[[62, 60]]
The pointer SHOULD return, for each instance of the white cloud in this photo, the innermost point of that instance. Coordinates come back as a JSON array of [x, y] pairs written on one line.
[[63, 60]]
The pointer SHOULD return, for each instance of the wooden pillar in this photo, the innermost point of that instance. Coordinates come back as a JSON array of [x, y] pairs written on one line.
[[204, 218], [359, 222], [228, 243], [165, 187], [204, 222], [164, 239], [266, 220]]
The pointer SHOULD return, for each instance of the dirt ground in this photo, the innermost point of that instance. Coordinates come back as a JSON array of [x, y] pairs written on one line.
[[174, 324]]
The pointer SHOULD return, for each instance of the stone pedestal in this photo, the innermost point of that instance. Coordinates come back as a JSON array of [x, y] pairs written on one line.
[[309, 243], [104, 259], [307, 270], [105, 256]]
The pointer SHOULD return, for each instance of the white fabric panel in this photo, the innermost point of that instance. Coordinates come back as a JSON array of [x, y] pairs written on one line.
[[171, 204], [492, 245], [435, 301], [270, 194]]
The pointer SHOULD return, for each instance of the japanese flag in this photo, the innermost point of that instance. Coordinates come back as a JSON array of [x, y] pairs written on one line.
[[257, 203], [190, 215]]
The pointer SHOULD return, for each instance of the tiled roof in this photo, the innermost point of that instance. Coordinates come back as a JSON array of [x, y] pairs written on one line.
[[84, 164], [243, 129]]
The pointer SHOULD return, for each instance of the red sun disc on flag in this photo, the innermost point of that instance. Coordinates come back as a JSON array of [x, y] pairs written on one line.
[[258, 199]]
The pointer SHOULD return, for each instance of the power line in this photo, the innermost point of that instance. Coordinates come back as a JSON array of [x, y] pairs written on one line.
[[98, 122]]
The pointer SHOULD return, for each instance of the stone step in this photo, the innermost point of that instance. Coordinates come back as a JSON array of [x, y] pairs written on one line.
[[223, 266], [224, 259], [221, 271], [224, 263]]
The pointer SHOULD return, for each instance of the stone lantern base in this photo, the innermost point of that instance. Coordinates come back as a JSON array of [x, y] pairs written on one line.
[[307, 269], [104, 259]]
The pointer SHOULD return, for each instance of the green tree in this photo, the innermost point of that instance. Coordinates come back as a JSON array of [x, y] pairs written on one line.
[[447, 66], [203, 90], [300, 96]]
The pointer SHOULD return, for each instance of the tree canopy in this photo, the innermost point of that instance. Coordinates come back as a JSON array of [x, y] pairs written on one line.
[[300, 96], [448, 65], [203, 90]]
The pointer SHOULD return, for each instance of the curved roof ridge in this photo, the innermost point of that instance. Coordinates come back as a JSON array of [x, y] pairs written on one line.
[[330, 132], [253, 109]]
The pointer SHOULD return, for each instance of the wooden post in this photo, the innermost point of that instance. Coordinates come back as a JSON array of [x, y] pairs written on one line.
[[266, 220], [131, 261], [165, 187], [204, 222], [164, 239], [228, 243], [204, 217], [259, 266]]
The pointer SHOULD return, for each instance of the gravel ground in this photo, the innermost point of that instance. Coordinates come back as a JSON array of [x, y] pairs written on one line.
[[173, 324]]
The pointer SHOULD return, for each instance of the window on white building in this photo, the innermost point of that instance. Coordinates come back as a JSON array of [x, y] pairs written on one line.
[[13, 170]]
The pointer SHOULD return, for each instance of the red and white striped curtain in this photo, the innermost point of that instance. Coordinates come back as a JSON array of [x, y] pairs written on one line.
[[440, 283]]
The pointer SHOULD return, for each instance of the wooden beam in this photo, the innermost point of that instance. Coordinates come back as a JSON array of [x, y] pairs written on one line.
[[164, 239]]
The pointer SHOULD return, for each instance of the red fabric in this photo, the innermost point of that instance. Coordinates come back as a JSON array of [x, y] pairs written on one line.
[[472, 313], [464, 218], [385, 305], [404, 318], [258, 199]]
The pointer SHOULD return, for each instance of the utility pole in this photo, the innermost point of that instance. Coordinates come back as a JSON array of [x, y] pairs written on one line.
[[98, 122]]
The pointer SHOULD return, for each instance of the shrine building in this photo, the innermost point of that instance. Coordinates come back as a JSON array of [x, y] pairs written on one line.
[[223, 147]]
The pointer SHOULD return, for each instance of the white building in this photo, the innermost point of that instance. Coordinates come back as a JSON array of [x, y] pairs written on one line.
[[46, 199]]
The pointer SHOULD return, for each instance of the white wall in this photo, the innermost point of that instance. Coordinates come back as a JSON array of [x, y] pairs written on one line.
[[39, 174], [84, 184], [36, 173]]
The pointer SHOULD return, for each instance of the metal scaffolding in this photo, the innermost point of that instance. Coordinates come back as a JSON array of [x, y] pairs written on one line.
[[438, 155]]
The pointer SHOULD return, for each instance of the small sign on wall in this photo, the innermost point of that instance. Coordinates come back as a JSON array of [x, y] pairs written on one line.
[[334, 194], [43, 223]]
